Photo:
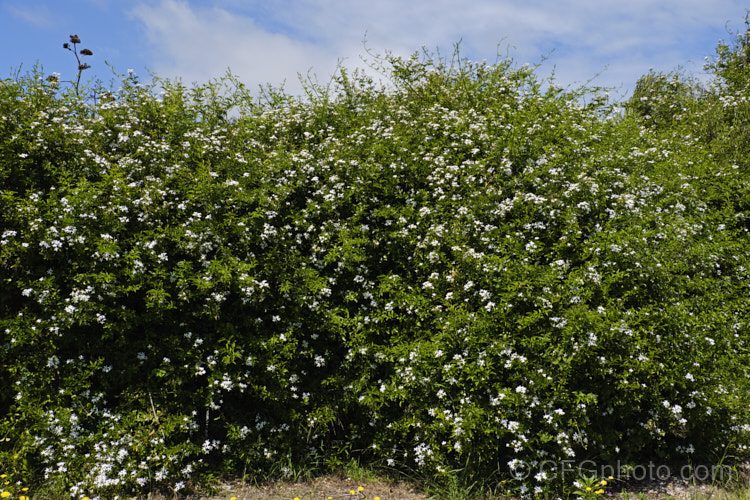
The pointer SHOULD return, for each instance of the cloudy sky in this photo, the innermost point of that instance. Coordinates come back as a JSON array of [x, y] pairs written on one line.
[[267, 41]]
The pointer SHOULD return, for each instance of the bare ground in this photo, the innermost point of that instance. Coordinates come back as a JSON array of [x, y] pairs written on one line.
[[331, 487], [328, 487], [336, 487]]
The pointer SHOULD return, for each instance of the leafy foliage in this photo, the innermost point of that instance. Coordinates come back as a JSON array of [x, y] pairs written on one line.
[[460, 273], [732, 62]]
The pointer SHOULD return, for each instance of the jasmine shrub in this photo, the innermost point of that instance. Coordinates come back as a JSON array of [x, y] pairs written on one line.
[[463, 273]]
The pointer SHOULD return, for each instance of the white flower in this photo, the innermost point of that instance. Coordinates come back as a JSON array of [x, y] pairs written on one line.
[[496, 401], [560, 263], [558, 322]]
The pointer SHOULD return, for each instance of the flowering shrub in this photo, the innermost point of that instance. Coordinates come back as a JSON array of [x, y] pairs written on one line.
[[462, 270]]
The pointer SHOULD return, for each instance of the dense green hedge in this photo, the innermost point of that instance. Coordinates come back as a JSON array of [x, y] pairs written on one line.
[[462, 274]]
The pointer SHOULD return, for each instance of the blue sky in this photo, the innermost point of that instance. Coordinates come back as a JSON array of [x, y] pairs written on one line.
[[273, 41]]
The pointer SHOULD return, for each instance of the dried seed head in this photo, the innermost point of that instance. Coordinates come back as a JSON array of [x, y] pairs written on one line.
[[83, 66], [74, 39], [66, 45], [87, 52]]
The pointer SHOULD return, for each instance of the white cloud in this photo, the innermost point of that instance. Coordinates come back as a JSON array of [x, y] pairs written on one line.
[[199, 44], [271, 41], [36, 15]]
